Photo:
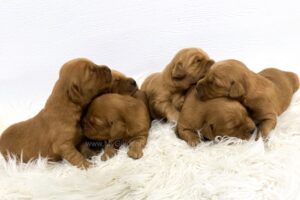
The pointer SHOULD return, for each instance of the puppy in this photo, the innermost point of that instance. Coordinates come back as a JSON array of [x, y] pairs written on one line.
[[55, 130], [118, 117], [165, 91], [266, 94], [215, 117], [121, 84]]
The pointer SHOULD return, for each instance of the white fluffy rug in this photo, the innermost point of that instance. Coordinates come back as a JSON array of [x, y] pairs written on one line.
[[170, 169]]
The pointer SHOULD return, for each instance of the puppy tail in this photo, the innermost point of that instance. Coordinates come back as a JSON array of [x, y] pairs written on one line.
[[295, 80]]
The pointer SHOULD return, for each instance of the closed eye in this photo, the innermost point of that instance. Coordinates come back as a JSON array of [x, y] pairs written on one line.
[[234, 126], [216, 83], [93, 69], [197, 60], [231, 122], [116, 81]]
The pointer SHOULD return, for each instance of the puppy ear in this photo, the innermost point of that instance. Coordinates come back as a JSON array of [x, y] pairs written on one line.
[[178, 71], [236, 90], [207, 131], [74, 93]]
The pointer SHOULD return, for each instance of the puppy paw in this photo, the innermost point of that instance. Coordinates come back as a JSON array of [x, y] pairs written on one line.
[[89, 153], [193, 141], [105, 157], [257, 136], [86, 164], [135, 154], [264, 137], [109, 152], [173, 117]]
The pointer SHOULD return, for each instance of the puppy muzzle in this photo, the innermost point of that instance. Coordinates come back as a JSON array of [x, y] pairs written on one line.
[[133, 82]]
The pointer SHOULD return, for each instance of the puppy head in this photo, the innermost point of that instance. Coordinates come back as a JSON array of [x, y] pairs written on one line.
[[91, 124], [231, 120], [225, 79], [187, 67], [98, 128], [82, 80], [122, 84]]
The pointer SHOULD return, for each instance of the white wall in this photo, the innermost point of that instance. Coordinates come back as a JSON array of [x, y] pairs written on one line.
[[136, 37]]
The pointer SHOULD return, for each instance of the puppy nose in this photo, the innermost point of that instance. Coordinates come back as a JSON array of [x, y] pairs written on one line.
[[133, 82]]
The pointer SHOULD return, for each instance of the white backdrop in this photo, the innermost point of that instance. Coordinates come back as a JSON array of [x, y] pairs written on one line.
[[136, 37]]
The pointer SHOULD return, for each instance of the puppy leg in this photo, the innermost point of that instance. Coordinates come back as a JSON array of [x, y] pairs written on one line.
[[188, 135], [117, 131], [109, 152], [71, 154], [167, 110], [136, 146], [266, 126]]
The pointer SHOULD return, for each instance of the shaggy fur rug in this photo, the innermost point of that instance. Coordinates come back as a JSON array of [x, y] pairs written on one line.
[[226, 168]]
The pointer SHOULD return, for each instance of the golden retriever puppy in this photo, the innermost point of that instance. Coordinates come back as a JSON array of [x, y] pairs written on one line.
[[211, 118], [121, 84], [118, 117], [165, 91], [266, 94], [55, 130]]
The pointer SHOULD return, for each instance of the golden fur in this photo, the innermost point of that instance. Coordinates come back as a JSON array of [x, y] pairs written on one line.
[[118, 117], [165, 91], [55, 130], [121, 84], [215, 117], [266, 94]]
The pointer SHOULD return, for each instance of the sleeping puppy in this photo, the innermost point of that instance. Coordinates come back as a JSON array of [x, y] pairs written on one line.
[[121, 84], [215, 117], [55, 130], [266, 94], [165, 91], [118, 117]]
